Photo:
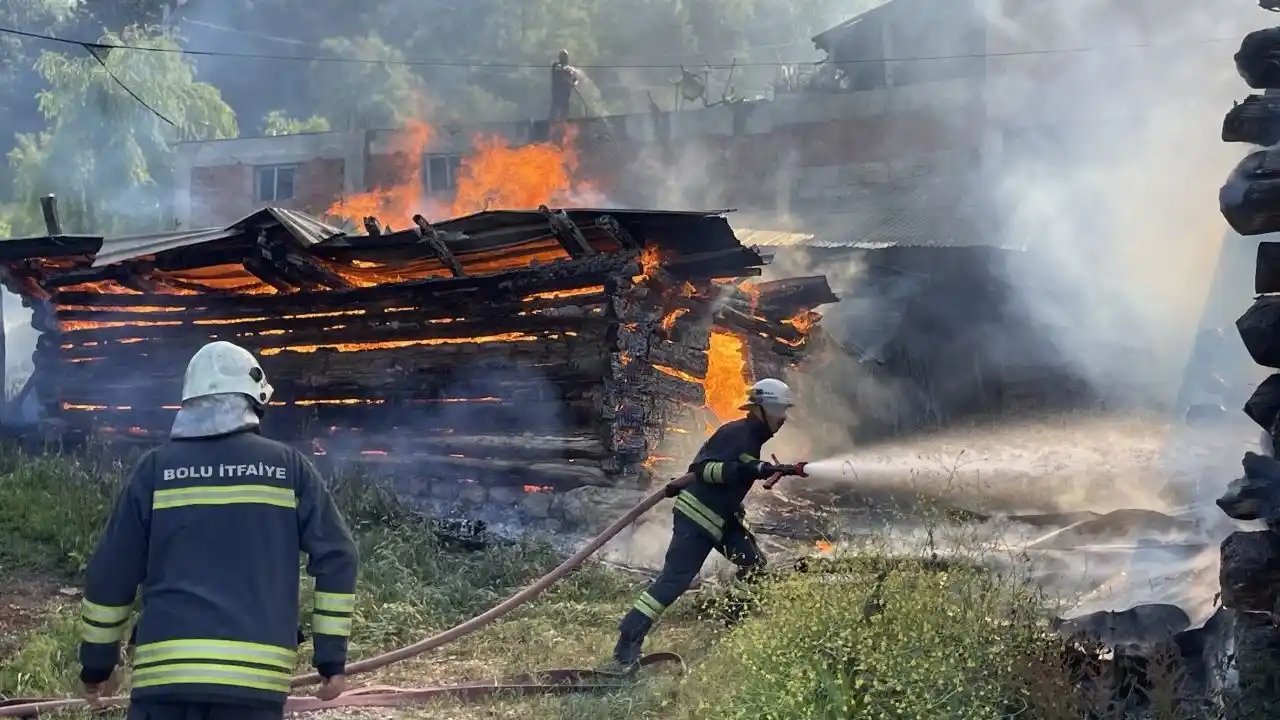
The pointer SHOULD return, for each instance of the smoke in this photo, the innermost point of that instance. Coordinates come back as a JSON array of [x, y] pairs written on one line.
[[1107, 175]]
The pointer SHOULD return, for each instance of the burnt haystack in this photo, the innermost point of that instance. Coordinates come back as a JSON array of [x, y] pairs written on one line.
[[549, 349]]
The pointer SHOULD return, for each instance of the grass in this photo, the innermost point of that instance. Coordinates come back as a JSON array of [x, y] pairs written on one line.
[[859, 636]]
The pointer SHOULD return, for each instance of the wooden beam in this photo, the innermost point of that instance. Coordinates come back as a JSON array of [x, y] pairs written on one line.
[[49, 206], [1250, 199], [1255, 121], [1255, 59], [617, 233], [1266, 274], [297, 268], [569, 235], [262, 269], [432, 238]]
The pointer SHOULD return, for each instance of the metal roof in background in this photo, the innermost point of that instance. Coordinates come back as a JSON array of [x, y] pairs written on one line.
[[772, 238], [931, 214]]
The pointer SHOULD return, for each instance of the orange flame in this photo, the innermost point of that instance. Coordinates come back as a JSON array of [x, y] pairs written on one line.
[[803, 321], [394, 344], [401, 200], [726, 383], [538, 488], [669, 321], [497, 176], [555, 294], [650, 259], [823, 546], [493, 175], [727, 375]]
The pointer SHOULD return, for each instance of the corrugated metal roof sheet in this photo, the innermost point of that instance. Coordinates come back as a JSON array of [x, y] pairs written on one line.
[[772, 238], [304, 228], [932, 214], [120, 249]]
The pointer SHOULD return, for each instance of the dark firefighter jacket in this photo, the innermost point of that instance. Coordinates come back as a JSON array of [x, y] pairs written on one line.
[[724, 471], [211, 529]]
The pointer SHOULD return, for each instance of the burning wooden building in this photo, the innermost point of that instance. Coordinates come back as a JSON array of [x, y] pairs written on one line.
[[549, 348]]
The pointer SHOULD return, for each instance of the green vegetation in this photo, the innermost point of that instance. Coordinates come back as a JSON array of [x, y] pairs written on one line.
[[81, 129], [277, 123], [857, 637]]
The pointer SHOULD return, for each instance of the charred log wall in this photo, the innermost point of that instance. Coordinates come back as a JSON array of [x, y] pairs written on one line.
[[1250, 570], [515, 378], [551, 349]]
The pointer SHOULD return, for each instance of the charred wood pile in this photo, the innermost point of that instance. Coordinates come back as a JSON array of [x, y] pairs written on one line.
[[1250, 574], [549, 349]]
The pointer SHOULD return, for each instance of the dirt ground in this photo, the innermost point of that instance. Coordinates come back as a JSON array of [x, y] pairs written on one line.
[[24, 600]]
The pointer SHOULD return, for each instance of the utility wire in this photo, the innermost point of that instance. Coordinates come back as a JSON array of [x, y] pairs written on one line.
[[93, 52], [641, 66]]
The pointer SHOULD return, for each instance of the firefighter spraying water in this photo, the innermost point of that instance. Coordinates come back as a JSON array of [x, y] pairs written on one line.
[[709, 513]]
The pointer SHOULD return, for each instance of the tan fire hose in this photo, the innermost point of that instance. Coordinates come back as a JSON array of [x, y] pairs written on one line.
[[545, 682]]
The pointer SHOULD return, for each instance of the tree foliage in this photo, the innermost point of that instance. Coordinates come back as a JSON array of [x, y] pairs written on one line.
[[106, 156], [365, 94], [76, 132], [277, 123]]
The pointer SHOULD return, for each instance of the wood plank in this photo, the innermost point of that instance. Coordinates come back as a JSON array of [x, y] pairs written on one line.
[[295, 422], [526, 446], [559, 275], [187, 340], [434, 241], [405, 362], [546, 304], [1266, 275]]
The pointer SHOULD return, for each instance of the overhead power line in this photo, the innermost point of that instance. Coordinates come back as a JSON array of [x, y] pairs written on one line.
[[93, 52], [620, 66]]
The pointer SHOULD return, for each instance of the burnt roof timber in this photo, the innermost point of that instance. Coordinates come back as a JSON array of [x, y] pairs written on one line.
[[49, 246], [429, 236], [559, 275], [698, 244]]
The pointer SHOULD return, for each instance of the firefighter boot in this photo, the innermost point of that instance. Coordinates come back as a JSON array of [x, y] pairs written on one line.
[[632, 630]]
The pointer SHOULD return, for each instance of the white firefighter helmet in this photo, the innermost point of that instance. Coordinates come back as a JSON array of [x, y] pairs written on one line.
[[769, 394], [773, 397], [222, 367]]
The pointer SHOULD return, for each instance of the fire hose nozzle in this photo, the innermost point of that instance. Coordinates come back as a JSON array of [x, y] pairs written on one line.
[[796, 470]]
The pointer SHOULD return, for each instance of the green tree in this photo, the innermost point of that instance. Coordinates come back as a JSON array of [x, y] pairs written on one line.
[[277, 123], [363, 95], [106, 155]]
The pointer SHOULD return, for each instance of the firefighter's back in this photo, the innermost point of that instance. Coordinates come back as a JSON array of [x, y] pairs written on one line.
[[220, 599]]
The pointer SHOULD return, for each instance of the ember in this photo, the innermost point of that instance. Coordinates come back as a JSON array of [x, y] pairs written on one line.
[[538, 349]]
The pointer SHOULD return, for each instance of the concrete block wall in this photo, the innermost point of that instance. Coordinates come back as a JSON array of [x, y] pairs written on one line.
[[798, 148]]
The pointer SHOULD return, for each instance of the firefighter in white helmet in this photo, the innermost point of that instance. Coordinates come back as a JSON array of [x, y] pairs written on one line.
[[709, 513], [210, 527]]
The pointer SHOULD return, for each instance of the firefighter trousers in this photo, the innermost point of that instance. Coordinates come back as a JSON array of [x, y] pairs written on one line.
[[689, 548], [158, 710]]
